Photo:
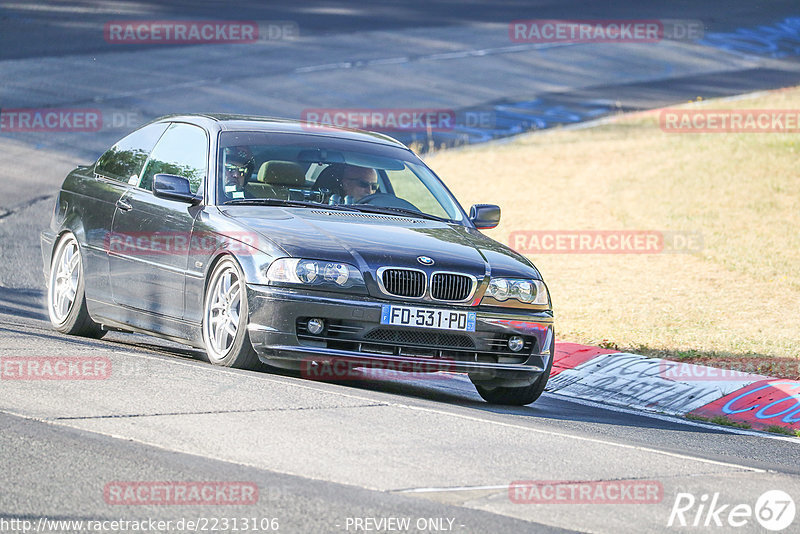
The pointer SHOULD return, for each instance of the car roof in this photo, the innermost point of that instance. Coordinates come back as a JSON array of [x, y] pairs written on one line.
[[250, 123]]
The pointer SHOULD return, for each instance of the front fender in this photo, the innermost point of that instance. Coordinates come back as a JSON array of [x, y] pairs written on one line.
[[213, 237]]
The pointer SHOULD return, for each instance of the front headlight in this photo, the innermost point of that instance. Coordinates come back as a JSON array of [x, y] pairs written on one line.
[[524, 290], [315, 273]]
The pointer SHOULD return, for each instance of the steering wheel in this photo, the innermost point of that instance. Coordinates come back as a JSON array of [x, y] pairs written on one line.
[[386, 200]]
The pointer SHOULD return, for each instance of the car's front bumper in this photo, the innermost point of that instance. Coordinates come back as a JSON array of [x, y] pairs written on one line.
[[354, 333]]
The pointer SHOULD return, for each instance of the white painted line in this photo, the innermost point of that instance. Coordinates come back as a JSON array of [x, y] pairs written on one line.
[[198, 365], [455, 488], [448, 55], [179, 451], [488, 421], [591, 440], [441, 56], [389, 61], [478, 488], [561, 396], [327, 66]]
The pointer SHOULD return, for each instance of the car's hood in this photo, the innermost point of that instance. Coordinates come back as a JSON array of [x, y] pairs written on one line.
[[371, 241]]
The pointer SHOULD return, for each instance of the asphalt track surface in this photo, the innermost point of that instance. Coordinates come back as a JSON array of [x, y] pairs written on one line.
[[326, 453]]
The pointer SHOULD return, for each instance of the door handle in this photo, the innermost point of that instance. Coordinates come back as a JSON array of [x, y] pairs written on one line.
[[123, 205]]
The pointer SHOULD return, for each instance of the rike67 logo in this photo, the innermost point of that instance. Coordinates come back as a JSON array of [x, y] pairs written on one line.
[[774, 510]]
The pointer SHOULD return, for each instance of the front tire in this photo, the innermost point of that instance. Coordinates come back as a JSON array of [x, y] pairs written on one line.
[[516, 396], [225, 318], [66, 297]]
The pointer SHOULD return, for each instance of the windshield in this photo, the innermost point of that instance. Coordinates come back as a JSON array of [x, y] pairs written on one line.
[[315, 170]]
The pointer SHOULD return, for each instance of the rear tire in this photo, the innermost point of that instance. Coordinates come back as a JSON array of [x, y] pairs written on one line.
[[66, 296], [516, 396], [225, 318]]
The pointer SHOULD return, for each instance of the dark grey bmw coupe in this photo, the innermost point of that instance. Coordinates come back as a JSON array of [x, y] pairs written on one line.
[[283, 242]]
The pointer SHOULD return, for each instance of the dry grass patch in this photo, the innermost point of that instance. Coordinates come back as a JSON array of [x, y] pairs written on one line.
[[739, 296]]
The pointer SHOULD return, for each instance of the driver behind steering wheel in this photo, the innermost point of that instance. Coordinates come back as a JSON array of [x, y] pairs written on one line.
[[238, 167], [358, 182]]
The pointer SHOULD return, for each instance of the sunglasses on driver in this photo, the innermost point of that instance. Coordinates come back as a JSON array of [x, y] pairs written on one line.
[[372, 186]]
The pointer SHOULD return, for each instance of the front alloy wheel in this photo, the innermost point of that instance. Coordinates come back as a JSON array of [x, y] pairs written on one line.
[[225, 318]]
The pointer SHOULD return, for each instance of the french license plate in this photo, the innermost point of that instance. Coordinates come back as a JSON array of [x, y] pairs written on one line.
[[428, 318]]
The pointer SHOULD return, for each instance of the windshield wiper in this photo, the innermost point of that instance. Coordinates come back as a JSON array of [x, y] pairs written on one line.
[[280, 202], [366, 208], [392, 211]]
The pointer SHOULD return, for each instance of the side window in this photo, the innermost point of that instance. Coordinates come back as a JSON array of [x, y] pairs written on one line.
[[183, 151], [125, 159]]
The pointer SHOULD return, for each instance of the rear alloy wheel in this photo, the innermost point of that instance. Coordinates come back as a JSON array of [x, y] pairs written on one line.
[[225, 317], [66, 298], [516, 396]]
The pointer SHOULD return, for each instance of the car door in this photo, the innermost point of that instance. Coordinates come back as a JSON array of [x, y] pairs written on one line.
[[109, 179], [148, 271]]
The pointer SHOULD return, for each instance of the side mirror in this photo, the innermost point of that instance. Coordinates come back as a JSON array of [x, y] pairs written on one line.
[[484, 216], [173, 187]]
